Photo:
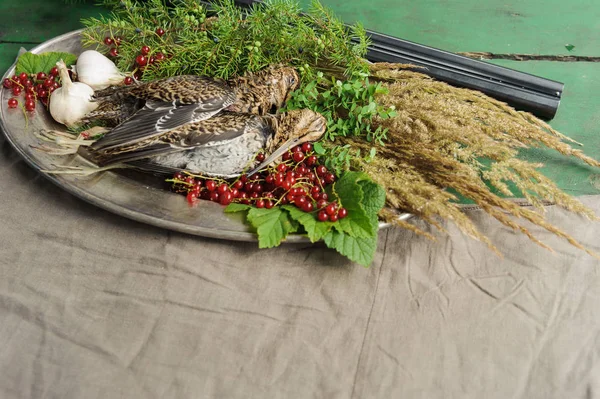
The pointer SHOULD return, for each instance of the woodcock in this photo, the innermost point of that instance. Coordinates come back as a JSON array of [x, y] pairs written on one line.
[[204, 125]]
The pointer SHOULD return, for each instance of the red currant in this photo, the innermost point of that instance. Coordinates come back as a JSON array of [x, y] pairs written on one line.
[[159, 57], [270, 179], [329, 178], [160, 31], [306, 147], [258, 188], [42, 93], [286, 185], [214, 196], [223, 188], [333, 218], [260, 156], [260, 203], [29, 96], [151, 60], [324, 196], [7, 83], [192, 197], [331, 208], [225, 198], [211, 185], [16, 90], [27, 83], [113, 52], [300, 201], [269, 204], [145, 50], [286, 156], [30, 105], [315, 190], [322, 216], [308, 207], [118, 40], [298, 157], [281, 167], [141, 60], [23, 76], [13, 102], [41, 76], [296, 149], [128, 80], [238, 184], [48, 83], [342, 213], [108, 41], [54, 71], [321, 204], [321, 170]]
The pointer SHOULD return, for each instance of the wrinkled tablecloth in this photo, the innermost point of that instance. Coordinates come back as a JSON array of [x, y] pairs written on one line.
[[93, 305]]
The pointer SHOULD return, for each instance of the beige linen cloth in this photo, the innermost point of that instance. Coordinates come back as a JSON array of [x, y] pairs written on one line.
[[93, 305]]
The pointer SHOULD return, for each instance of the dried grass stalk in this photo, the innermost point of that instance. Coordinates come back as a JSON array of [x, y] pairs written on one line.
[[447, 137]]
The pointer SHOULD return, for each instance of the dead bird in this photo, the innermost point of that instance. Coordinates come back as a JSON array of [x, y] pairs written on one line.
[[224, 146], [173, 101]]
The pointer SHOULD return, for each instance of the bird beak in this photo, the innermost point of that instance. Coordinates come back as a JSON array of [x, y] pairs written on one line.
[[275, 155]]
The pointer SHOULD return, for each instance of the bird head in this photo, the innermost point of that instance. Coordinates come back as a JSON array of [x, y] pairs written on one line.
[[270, 88]]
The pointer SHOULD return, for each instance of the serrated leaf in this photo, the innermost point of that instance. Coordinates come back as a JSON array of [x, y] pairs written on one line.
[[272, 225], [373, 201], [314, 228], [359, 250], [44, 62], [235, 207], [351, 195]]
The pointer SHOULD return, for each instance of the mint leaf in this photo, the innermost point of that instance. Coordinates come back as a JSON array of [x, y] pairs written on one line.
[[33, 63], [351, 195], [235, 207], [272, 225], [315, 229], [359, 250]]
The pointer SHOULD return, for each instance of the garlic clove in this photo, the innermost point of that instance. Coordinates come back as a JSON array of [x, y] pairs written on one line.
[[97, 71]]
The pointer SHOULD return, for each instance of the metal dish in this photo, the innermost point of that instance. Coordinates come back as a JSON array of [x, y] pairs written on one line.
[[131, 196]]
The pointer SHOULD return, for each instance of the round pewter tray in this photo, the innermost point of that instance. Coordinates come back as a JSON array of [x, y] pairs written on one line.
[[132, 197]]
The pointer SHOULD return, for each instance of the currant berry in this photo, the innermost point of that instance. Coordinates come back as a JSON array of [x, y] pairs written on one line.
[[192, 197], [211, 185], [323, 216], [300, 201], [331, 208], [190, 180], [23, 76], [342, 213], [296, 148], [29, 96], [321, 204], [329, 178], [16, 90], [7, 83], [145, 50], [214, 196], [41, 76], [223, 188], [270, 179], [307, 147], [159, 57], [260, 156], [151, 60], [308, 207], [258, 188], [321, 170], [315, 190], [42, 93], [238, 184], [286, 156], [298, 157], [160, 31], [333, 218], [260, 203], [108, 41], [225, 198], [54, 71], [141, 60], [281, 167], [30, 105], [254, 195], [269, 204], [13, 102], [286, 185], [113, 52], [324, 196], [27, 83], [48, 83], [128, 80], [118, 40]]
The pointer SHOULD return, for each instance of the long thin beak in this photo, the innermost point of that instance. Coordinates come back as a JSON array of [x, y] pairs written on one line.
[[276, 154]]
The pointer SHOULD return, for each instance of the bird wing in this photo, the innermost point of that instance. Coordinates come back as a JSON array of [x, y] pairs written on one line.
[[170, 103], [210, 132]]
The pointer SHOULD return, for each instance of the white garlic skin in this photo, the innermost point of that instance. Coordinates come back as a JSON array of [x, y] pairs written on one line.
[[71, 102], [97, 71]]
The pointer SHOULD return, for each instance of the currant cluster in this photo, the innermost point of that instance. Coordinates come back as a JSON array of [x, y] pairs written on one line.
[[144, 58], [32, 87], [298, 180]]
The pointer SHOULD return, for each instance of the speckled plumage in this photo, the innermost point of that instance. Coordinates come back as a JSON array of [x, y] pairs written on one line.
[[224, 145]]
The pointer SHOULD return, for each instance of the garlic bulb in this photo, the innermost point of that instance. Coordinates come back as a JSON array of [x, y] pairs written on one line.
[[97, 71], [71, 102]]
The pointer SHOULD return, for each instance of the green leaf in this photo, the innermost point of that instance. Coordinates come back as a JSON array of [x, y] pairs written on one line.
[[236, 207], [359, 250], [315, 229], [33, 63], [272, 225], [358, 223], [319, 149]]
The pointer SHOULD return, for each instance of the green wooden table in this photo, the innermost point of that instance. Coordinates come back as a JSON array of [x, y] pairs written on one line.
[[508, 26]]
